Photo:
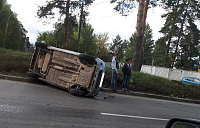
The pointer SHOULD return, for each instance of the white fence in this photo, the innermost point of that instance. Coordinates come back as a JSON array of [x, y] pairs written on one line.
[[172, 74]]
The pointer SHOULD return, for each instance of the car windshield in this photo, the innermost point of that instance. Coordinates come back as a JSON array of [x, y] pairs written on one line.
[[190, 79], [196, 80]]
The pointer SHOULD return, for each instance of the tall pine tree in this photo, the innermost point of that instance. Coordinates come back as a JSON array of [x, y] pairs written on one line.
[[179, 25], [66, 9]]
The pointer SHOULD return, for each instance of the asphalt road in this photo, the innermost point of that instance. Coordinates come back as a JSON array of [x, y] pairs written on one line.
[[25, 105]]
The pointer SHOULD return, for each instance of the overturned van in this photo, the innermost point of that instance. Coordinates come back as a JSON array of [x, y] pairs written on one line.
[[79, 73]]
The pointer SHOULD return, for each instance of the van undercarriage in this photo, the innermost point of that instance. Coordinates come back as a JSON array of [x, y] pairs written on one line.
[[78, 73]]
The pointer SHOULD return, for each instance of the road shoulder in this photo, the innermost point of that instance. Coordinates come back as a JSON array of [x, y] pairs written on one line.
[[30, 80]]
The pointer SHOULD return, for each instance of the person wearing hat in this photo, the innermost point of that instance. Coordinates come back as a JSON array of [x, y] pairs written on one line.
[[115, 67], [126, 69]]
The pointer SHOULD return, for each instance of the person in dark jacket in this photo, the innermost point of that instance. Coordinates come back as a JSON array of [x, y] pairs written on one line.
[[27, 45], [126, 69]]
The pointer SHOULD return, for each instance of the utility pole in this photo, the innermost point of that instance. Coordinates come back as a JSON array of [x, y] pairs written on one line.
[[67, 22], [19, 39], [80, 25]]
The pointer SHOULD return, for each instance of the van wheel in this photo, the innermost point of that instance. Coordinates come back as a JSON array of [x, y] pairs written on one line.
[[77, 90], [87, 59], [41, 45], [31, 74]]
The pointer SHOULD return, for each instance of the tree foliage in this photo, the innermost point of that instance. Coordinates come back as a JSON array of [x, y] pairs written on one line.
[[130, 47], [159, 52], [12, 32], [102, 46], [182, 34], [119, 46], [180, 18], [148, 45], [141, 21], [180, 44], [48, 37], [66, 9], [88, 44]]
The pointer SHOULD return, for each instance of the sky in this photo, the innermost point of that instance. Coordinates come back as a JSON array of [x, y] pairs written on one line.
[[26, 14], [103, 18]]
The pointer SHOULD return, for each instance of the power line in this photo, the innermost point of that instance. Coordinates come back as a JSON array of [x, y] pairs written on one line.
[[27, 21], [35, 27], [107, 16], [100, 3]]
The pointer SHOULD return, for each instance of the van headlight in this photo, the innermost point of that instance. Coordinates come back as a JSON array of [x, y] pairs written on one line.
[[102, 77]]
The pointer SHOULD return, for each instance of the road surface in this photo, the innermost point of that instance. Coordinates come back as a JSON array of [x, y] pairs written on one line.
[[25, 105]]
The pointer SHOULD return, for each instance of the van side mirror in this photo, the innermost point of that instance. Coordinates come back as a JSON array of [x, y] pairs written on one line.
[[183, 123]]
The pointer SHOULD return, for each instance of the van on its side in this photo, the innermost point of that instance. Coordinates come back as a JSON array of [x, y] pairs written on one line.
[[80, 74]]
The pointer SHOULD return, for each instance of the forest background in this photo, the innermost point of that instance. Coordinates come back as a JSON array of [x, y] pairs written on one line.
[[179, 47]]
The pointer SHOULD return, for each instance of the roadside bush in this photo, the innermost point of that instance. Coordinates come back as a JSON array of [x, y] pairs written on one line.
[[14, 62], [146, 83]]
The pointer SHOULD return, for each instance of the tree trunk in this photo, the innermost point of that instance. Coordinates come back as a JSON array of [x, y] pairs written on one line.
[[138, 53], [170, 35], [167, 51], [143, 29], [80, 25], [179, 36], [66, 37]]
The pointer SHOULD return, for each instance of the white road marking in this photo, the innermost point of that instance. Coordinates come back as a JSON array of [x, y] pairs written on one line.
[[129, 116]]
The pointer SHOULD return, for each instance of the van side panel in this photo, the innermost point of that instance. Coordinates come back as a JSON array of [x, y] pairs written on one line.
[[76, 72], [67, 70]]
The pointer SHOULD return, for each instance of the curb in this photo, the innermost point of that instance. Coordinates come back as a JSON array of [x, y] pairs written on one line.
[[30, 80], [141, 94], [16, 78]]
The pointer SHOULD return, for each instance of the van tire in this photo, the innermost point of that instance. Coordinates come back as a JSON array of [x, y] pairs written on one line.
[[41, 45], [87, 59], [31, 74], [76, 92]]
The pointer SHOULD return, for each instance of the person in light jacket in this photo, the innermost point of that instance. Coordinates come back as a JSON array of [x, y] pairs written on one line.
[[115, 68]]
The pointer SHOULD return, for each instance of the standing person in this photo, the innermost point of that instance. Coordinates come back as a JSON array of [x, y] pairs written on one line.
[[126, 69], [115, 67], [27, 45]]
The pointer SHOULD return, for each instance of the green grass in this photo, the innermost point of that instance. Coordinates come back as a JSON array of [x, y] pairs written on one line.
[[14, 62], [146, 83]]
